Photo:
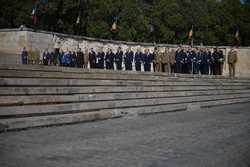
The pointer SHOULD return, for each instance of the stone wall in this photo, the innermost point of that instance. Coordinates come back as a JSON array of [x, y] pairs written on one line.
[[12, 41]]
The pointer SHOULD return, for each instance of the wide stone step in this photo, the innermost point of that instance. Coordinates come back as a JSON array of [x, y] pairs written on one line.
[[41, 121], [52, 99], [94, 82], [32, 110], [27, 70], [110, 76], [111, 89]]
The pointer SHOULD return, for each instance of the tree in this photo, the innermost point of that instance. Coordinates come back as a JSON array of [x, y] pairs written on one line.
[[214, 21]]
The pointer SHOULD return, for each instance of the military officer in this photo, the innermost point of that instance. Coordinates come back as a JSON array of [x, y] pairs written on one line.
[[218, 60], [232, 60], [204, 62], [189, 60], [166, 60], [172, 60], [221, 60], [158, 60], [184, 61], [195, 60], [211, 62]]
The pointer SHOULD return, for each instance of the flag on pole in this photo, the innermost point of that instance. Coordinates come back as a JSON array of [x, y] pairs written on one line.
[[34, 14], [237, 34], [78, 19], [190, 34], [114, 27], [151, 28]]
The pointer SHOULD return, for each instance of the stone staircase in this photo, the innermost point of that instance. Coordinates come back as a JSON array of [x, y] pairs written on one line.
[[37, 96]]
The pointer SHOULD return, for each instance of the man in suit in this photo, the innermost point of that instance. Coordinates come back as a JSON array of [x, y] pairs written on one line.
[[79, 58], [204, 62], [24, 56], [92, 58], [154, 58], [138, 59], [128, 59], [178, 60], [147, 60], [218, 61], [100, 59], [118, 58], [109, 59]]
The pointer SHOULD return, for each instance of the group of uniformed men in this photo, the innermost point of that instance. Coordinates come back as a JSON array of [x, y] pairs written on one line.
[[182, 60]]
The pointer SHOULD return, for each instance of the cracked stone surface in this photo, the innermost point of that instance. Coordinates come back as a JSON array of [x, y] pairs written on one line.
[[209, 137]]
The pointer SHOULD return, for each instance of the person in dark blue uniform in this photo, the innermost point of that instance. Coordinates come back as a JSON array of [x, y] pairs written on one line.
[[138, 60], [128, 59], [147, 60], [190, 55], [100, 59], [221, 60], [60, 56], [67, 58], [211, 62], [92, 58], [184, 61], [154, 58], [204, 62], [73, 59], [218, 60], [109, 59], [178, 60], [195, 56], [118, 58]]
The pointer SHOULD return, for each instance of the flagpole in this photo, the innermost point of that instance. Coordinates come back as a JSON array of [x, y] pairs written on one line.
[[192, 39]]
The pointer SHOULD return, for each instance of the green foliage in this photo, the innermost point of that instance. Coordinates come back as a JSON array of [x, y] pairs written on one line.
[[214, 21]]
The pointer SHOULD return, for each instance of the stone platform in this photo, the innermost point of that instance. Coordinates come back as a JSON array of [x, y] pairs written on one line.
[[38, 96]]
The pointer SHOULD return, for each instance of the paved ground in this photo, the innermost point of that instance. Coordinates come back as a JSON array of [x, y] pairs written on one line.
[[211, 137]]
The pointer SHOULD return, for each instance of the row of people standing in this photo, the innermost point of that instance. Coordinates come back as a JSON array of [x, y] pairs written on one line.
[[188, 61], [109, 59], [55, 57], [199, 61]]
